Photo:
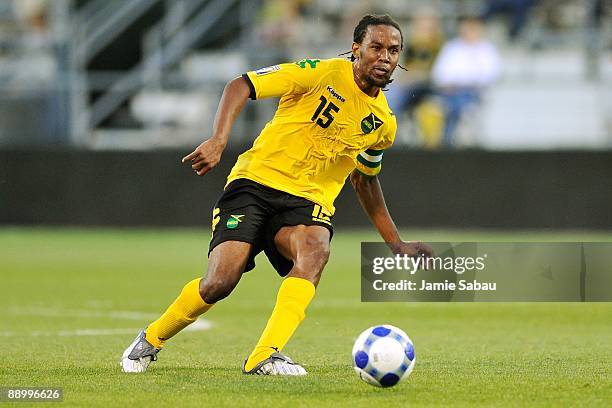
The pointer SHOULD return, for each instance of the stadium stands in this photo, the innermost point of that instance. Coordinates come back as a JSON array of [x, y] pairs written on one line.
[[108, 75]]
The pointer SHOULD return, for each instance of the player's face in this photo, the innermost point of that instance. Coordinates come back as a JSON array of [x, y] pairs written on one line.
[[378, 54]]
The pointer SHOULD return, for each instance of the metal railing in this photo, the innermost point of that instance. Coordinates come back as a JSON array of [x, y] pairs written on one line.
[[162, 57]]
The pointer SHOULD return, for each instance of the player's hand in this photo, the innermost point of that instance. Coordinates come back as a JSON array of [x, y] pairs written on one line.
[[205, 156], [413, 248]]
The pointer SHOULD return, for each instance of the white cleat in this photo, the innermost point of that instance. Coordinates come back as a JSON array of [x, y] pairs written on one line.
[[137, 357], [276, 364]]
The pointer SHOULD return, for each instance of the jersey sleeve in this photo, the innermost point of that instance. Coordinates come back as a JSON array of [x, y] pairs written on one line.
[[284, 79], [369, 162]]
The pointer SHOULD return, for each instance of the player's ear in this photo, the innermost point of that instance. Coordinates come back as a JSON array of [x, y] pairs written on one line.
[[355, 50]]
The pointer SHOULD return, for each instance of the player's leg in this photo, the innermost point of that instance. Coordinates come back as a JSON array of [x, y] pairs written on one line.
[[237, 220], [308, 248], [226, 264], [225, 267]]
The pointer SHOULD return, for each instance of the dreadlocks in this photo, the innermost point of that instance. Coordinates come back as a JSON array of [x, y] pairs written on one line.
[[373, 19]]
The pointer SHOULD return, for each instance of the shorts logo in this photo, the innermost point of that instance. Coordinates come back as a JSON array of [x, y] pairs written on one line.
[[320, 215], [234, 221], [370, 123]]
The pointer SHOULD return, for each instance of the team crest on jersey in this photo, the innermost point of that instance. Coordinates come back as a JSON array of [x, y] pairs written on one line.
[[267, 70], [234, 221], [370, 123]]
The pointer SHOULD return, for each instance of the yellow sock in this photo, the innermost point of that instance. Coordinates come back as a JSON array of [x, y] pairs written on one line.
[[180, 314], [292, 300]]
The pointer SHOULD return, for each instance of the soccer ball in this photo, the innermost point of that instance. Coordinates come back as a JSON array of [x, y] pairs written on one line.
[[383, 355]]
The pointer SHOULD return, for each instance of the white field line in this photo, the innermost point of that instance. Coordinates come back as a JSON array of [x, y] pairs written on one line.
[[50, 312], [198, 325]]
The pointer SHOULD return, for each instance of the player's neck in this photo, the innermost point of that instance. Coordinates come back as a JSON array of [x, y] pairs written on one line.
[[365, 86]]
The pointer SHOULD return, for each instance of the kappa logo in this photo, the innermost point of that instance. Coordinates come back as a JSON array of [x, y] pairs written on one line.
[[234, 221], [335, 94], [370, 123]]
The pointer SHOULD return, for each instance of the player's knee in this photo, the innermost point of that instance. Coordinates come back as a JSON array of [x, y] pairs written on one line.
[[213, 290], [314, 252]]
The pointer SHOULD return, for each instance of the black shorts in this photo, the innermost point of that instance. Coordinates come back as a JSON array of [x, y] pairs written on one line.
[[250, 212]]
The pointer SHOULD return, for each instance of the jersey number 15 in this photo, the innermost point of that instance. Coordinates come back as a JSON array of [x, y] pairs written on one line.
[[327, 113]]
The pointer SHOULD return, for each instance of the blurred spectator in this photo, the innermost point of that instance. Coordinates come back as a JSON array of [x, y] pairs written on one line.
[[465, 66], [33, 63], [34, 17], [594, 38], [516, 12], [279, 27], [32, 92], [410, 92], [599, 10]]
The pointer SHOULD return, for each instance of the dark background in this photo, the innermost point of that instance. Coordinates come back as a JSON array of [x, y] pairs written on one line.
[[472, 189]]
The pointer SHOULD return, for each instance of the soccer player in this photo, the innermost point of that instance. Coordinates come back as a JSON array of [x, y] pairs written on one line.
[[332, 122]]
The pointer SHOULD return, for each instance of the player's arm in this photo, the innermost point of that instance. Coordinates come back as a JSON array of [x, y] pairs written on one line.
[[274, 81], [370, 195], [207, 155]]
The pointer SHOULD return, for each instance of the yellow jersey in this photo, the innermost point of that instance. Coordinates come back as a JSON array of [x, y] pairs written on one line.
[[324, 127]]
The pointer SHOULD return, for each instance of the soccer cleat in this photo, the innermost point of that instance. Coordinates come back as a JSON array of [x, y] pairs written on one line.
[[137, 357], [276, 364]]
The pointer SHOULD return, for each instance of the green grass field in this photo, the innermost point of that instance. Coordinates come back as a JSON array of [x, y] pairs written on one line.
[[73, 299]]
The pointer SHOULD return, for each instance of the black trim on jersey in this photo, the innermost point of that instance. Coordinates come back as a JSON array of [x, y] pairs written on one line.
[[252, 94]]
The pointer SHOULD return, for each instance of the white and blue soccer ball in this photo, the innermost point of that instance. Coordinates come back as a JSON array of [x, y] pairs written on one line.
[[383, 355]]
